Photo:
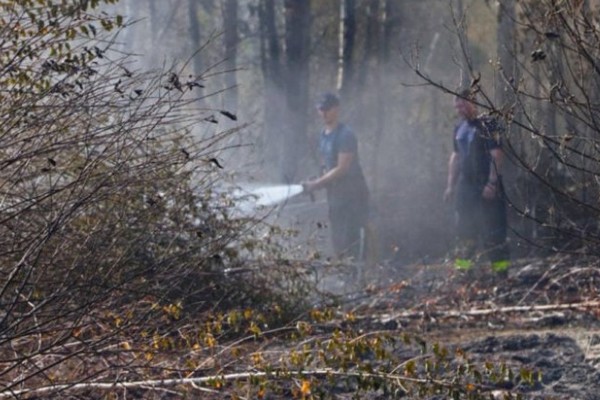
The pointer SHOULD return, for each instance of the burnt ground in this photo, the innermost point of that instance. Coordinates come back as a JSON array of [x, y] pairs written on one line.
[[542, 317]]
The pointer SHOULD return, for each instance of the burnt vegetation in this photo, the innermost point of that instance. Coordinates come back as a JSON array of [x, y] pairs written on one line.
[[125, 271], [113, 230]]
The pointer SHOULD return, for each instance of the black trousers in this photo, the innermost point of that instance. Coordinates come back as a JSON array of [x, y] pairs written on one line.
[[481, 224], [348, 221]]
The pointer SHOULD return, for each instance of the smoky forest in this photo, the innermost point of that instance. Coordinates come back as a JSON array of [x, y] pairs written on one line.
[[296, 199]]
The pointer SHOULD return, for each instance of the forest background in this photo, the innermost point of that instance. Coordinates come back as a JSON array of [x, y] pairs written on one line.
[[274, 58], [125, 269]]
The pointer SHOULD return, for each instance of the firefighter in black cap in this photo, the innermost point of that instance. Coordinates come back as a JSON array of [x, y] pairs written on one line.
[[343, 178]]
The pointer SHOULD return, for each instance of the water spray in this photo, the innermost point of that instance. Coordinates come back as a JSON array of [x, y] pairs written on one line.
[[256, 197], [273, 195]]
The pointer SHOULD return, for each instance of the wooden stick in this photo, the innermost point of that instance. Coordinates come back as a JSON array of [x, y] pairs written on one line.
[[162, 383], [484, 311]]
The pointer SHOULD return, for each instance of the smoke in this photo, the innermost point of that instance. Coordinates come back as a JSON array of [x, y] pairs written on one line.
[[404, 130]]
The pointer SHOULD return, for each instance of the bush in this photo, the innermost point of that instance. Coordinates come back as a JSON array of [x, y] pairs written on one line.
[[113, 228]]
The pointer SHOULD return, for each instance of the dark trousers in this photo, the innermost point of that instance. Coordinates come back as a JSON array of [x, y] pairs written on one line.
[[348, 222], [481, 224]]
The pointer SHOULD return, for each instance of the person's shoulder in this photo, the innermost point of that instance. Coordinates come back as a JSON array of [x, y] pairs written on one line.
[[345, 130], [490, 123], [491, 129]]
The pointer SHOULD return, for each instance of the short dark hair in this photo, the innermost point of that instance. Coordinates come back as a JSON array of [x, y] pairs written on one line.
[[327, 101]]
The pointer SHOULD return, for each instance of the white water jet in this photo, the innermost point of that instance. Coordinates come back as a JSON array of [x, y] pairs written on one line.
[[266, 196]]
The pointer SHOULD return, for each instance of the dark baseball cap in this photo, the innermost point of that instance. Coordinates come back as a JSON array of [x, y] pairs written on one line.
[[327, 101]]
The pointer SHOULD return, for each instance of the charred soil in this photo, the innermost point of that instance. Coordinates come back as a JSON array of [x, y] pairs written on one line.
[[542, 317]]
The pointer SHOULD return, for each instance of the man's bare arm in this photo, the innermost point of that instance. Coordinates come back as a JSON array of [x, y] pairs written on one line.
[[453, 167], [496, 167], [342, 167], [490, 190]]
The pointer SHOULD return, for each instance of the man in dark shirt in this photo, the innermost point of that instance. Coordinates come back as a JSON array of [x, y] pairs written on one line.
[[474, 183], [347, 193]]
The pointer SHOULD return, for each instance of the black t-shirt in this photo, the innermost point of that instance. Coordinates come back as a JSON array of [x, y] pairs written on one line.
[[352, 186], [473, 142]]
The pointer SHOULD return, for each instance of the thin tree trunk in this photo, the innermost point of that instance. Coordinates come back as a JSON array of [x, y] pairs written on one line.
[[506, 54], [463, 44], [370, 43], [196, 36], [230, 39], [273, 81], [347, 39], [594, 82], [384, 20], [297, 18]]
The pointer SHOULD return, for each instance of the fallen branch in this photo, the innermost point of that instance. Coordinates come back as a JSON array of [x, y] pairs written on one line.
[[546, 273], [481, 311], [162, 383]]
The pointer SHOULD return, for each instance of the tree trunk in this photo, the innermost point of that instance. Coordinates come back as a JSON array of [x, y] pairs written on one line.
[[384, 21], [463, 44], [297, 40], [230, 39], [370, 43], [270, 50], [195, 36], [506, 54], [347, 38]]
